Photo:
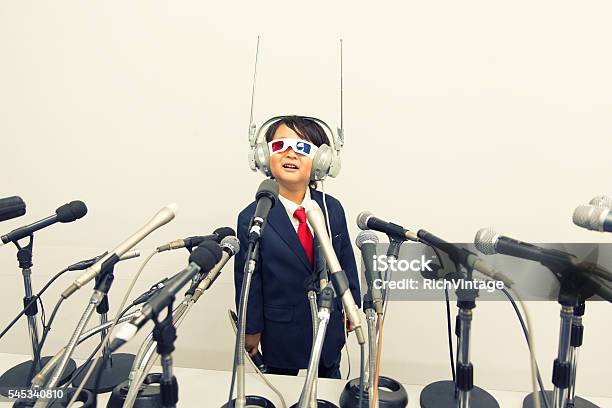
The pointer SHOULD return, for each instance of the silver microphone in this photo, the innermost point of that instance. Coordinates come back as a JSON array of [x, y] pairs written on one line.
[[162, 217], [230, 246], [602, 201], [316, 220]]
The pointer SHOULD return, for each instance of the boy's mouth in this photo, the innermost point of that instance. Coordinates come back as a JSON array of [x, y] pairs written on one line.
[[291, 166]]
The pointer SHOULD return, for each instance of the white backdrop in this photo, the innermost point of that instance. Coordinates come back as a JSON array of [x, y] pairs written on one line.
[[458, 115]]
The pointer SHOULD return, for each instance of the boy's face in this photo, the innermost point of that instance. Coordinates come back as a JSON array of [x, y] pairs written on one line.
[[288, 167]]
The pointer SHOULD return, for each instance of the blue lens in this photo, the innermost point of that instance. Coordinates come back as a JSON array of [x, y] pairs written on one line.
[[303, 147]]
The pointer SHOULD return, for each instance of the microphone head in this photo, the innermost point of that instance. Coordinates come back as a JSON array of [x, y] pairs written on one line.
[[362, 219], [601, 201], [268, 188], [223, 232], [231, 243], [11, 207], [71, 211], [590, 217], [485, 240], [366, 236], [206, 255]]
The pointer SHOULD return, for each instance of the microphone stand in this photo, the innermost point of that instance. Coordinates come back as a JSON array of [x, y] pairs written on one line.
[[572, 298], [164, 334], [117, 366], [20, 375], [101, 288], [396, 397], [308, 397], [461, 393], [242, 400]]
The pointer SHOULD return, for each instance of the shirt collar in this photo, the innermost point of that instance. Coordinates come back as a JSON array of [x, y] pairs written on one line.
[[290, 206]]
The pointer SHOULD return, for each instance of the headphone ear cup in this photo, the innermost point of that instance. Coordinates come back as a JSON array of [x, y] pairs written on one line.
[[321, 163], [262, 158], [334, 168]]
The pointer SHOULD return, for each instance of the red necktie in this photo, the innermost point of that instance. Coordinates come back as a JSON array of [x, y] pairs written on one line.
[[304, 234]]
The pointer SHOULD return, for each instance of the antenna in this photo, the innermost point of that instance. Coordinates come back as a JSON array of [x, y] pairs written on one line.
[[340, 142], [251, 124]]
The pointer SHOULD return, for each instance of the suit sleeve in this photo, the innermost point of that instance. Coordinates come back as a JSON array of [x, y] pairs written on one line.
[[346, 257], [255, 318]]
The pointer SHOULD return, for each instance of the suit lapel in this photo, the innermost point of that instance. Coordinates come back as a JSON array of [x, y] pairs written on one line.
[[278, 219]]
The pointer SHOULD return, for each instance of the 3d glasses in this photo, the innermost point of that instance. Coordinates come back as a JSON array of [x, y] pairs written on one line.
[[300, 146]]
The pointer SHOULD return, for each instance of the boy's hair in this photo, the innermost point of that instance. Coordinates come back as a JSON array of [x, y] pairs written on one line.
[[306, 128]]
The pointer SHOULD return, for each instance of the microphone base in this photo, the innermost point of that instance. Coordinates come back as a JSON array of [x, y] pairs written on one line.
[[254, 401], [320, 403], [17, 377], [578, 402], [441, 394], [149, 394], [391, 394], [85, 396], [116, 371]]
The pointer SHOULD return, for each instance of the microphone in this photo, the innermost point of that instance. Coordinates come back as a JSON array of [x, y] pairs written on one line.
[[601, 201], [366, 241], [464, 257], [66, 213], [191, 242], [366, 220], [266, 197], [230, 246], [489, 242], [203, 258], [163, 216], [152, 290], [338, 276], [593, 218], [79, 266], [11, 207]]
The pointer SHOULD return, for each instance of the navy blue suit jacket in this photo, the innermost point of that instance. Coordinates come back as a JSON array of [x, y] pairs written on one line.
[[278, 306]]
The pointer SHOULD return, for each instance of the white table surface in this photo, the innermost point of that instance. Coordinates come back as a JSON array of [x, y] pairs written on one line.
[[209, 388]]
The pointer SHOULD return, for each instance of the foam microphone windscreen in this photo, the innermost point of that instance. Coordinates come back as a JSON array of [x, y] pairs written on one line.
[[11, 207], [71, 211], [268, 188], [206, 255], [223, 232]]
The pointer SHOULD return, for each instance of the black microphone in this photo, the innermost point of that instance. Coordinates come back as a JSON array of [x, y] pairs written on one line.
[[11, 207], [490, 242], [366, 242], [366, 220], [79, 266], [596, 218], [266, 197], [203, 258], [463, 257], [194, 241], [66, 213]]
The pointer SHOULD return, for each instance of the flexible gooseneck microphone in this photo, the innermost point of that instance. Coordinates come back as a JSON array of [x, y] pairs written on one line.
[[66, 213], [366, 220], [338, 277], [163, 216], [203, 258], [11, 207]]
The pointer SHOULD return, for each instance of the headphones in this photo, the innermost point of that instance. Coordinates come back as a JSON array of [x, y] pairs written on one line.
[[325, 163]]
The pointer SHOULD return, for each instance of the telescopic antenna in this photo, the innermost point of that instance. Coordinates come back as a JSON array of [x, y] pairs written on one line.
[[340, 142], [251, 124]]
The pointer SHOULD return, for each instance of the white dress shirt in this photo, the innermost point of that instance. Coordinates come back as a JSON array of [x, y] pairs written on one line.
[[290, 207]]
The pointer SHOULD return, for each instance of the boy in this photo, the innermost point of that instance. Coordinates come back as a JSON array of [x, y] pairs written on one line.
[[278, 313]]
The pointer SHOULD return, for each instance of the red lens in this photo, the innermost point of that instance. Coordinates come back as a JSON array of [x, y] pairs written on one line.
[[277, 146]]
